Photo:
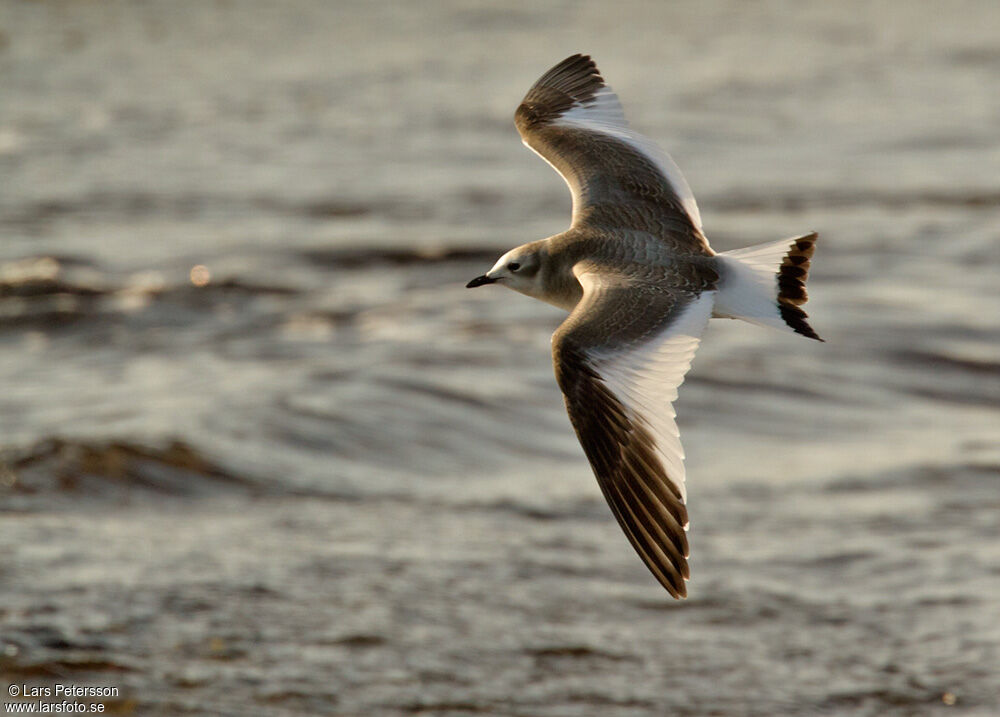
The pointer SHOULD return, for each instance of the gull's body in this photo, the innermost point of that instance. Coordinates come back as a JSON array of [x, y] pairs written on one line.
[[640, 282]]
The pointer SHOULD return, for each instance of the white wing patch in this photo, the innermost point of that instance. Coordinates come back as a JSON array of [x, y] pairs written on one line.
[[604, 107], [572, 190], [645, 379], [604, 114]]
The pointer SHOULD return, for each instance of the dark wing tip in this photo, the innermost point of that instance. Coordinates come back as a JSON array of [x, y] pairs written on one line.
[[643, 499], [574, 75], [575, 80]]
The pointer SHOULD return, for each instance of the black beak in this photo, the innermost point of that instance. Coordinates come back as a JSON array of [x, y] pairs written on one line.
[[480, 281]]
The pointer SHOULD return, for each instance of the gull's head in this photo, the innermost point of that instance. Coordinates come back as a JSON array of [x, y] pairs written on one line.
[[518, 269]]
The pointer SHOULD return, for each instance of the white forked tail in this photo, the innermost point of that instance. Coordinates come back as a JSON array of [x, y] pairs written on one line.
[[766, 284]]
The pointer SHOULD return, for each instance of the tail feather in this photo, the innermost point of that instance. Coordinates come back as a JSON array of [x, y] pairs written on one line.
[[796, 319], [766, 284], [794, 270]]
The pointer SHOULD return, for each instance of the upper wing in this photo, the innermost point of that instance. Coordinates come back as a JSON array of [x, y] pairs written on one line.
[[619, 358], [617, 177]]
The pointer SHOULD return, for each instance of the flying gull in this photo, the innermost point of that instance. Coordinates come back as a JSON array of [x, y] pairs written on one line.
[[640, 282]]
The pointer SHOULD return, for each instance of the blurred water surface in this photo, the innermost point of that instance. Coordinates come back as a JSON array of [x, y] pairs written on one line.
[[316, 475]]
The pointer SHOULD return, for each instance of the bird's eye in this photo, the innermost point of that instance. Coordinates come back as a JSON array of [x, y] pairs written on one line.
[[513, 266]]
